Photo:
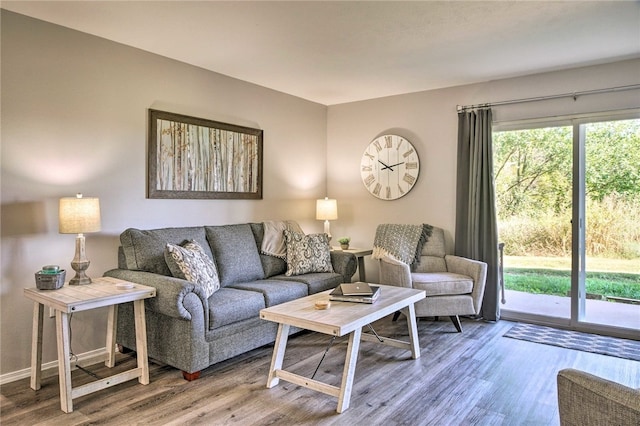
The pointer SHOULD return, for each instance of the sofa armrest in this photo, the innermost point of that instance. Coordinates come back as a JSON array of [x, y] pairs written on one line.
[[172, 294], [344, 264], [471, 268], [585, 399], [394, 273]]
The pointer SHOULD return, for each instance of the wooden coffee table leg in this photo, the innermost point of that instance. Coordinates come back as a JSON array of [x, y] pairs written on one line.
[[413, 331], [278, 354], [349, 370]]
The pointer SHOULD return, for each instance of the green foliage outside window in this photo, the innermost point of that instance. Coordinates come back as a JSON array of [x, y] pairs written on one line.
[[533, 176]]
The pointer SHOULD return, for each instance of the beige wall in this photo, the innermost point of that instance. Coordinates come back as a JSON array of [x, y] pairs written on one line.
[[74, 120], [429, 120]]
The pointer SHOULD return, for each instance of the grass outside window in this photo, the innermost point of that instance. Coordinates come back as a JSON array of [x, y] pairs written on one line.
[[614, 277]]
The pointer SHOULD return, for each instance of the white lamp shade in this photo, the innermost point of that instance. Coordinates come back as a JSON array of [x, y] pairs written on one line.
[[78, 215], [326, 209]]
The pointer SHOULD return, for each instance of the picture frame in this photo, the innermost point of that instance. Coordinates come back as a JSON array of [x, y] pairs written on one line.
[[196, 158]]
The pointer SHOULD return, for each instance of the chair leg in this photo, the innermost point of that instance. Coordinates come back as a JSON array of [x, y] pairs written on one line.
[[456, 321]]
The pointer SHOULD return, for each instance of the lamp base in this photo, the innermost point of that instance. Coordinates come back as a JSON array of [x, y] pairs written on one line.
[[327, 229], [81, 277]]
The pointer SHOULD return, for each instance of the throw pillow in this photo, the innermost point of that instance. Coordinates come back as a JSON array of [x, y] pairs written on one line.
[[307, 253], [190, 262]]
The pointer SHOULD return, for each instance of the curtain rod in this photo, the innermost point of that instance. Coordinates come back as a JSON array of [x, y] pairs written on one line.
[[574, 95]]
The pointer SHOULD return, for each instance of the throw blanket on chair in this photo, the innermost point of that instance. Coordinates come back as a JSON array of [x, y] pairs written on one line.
[[273, 243], [402, 243]]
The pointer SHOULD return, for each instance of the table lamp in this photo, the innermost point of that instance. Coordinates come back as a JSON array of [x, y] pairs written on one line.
[[326, 210], [79, 216]]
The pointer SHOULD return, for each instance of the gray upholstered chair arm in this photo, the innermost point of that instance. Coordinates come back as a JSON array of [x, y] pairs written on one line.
[[395, 273], [585, 399], [174, 296], [474, 269], [344, 264]]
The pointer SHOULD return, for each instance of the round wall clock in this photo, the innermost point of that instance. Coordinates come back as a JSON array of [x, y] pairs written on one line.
[[389, 167]]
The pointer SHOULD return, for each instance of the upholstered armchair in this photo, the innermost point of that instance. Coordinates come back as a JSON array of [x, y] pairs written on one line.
[[585, 399], [454, 285]]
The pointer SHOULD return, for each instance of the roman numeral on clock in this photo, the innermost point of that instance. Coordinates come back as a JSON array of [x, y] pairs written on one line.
[[409, 179], [376, 189], [408, 153], [369, 180]]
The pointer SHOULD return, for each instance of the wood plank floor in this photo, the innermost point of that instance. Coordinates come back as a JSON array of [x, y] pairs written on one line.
[[478, 377]]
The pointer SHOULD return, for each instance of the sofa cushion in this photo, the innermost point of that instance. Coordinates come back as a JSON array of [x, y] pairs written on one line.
[[316, 282], [191, 263], [442, 283], [270, 264], [235, 252], [274, 291], [144, 250], [307, 253], [229, 305]]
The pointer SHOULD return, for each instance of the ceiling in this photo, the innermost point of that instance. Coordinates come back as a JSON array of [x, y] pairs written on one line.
[[334, 52]]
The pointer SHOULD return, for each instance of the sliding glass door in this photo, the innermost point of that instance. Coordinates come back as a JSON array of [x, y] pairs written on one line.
[[611, 200], [568, 197], [533, 175]]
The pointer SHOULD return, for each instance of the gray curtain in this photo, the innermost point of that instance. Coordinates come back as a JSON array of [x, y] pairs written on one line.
[[476, 225]]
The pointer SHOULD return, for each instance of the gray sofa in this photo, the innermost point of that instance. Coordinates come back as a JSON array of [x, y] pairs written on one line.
[[189, 331]]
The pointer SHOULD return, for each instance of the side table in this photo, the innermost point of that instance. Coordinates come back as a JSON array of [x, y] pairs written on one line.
[[70, 299], [360, 254]]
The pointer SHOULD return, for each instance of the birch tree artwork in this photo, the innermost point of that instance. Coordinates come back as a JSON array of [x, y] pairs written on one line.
[[205, 161]]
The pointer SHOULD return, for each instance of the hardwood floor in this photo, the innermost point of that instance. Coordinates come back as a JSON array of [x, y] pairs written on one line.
[[476, 377]]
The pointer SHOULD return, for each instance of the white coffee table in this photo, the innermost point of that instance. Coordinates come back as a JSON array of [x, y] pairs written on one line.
[[340, 319], [70, 299]]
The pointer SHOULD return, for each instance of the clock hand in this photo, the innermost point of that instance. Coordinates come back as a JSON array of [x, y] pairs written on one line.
[[390, 167], [385, 166]]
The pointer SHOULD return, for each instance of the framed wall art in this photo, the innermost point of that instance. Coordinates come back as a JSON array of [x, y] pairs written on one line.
[[191, 157]]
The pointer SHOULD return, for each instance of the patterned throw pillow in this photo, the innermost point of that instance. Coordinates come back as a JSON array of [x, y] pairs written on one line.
[[191, 263], [307, 253]]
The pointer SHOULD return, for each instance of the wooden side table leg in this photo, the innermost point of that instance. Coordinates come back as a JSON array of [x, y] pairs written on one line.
[[36, 345], [413, 331], [141, 341], [64, 367], [349, 370], [361, 271], [111, 336], [278, 354]]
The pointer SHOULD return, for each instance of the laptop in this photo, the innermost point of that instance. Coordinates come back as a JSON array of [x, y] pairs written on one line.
[[356, 289], [337, 295]]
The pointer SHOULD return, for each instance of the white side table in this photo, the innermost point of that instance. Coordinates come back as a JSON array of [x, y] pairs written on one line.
[[360, 254], [70, 299]]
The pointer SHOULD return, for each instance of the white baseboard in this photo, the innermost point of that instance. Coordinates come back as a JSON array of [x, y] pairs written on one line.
[[51, 368]]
